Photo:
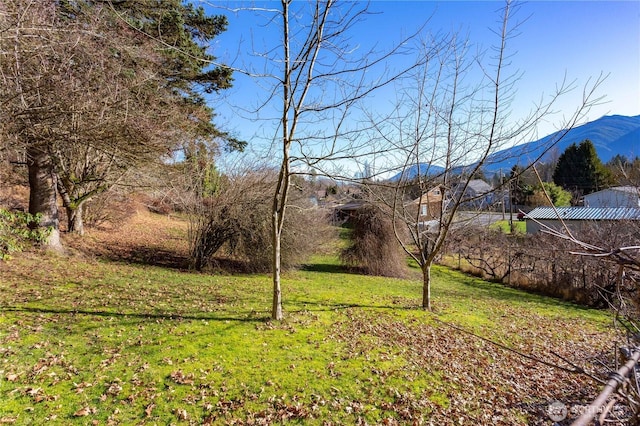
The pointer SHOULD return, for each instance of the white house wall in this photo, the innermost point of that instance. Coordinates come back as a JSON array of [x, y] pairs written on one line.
[[612, 198]]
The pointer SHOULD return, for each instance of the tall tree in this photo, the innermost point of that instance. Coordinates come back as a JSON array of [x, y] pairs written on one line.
[[95, 88], [580, 170], [624, 171], [317, 76], [453, 125], [24, 66]]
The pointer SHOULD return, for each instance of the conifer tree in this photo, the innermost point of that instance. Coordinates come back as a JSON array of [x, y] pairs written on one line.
[[580, 170]]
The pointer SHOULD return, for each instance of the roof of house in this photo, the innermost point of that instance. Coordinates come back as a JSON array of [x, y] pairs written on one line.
[[432, 196], [478, 186], [628, 189], [631, 189], [352, 205], [584, 213]]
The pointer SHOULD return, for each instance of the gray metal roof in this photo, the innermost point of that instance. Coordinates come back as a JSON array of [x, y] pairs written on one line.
[[584, 213]]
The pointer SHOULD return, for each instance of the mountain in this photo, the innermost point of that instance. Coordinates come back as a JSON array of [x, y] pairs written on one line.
[[611, 135], [424, 169]]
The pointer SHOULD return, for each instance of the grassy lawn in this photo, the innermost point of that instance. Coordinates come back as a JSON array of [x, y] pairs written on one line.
[[85, 341], [520, 227]]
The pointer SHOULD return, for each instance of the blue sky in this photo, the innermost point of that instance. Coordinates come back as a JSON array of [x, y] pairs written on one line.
[[576, 39]]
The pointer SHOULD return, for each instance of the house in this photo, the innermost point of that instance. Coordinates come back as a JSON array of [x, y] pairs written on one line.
[[428, 205], [576, 217], [619, 196], [478, 194], [344, 211]]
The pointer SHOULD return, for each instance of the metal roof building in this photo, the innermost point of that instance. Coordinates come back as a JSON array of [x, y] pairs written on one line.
[[575, 216]]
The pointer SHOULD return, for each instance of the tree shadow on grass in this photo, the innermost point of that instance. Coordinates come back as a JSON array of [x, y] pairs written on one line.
[[315, 306], [250, 317], [166, 258], [325, 268], [296, 307], [331, 268], [152, 256]]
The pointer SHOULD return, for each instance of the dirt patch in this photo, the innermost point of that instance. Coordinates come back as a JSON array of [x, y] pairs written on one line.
[[145, 237]]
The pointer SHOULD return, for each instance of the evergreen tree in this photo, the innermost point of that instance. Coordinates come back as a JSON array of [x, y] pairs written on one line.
[[580, 170], [94, 88]]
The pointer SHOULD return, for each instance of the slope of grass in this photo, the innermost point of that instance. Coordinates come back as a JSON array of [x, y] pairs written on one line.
[[87, 341], [520, 227]]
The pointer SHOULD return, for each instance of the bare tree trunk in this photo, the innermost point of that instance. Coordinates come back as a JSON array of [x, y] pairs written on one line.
[[276, 309], [426, 285], [74, 211], [318, 32], [75, 223], [42, 193]]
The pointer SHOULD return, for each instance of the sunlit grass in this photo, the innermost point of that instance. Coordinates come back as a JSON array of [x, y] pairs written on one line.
[[519, 227], [84, 341]]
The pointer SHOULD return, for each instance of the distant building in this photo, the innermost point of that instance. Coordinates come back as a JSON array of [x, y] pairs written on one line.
[[345, 211], [429, 205], [576, 217], [619, 196], [477, 195]]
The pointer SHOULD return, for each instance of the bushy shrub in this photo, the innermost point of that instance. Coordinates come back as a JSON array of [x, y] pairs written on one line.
[[236, 221], [16, 232], [374, 249]]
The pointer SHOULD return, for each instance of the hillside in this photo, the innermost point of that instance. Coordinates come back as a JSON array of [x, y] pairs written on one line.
[[111, 335], [611, 135]]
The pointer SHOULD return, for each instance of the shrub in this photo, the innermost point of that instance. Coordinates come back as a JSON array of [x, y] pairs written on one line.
[[237, 220], [374, 249], [16, 232]]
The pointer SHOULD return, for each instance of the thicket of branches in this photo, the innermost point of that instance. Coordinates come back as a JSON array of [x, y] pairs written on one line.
[[235, 221], [544, 263], [374, 249]]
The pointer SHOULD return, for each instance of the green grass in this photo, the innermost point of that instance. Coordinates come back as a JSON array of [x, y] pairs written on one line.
[[110, 343], [520, 227]]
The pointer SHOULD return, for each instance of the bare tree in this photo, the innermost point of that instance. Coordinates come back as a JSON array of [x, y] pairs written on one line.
[[318, 78], [449, 120]]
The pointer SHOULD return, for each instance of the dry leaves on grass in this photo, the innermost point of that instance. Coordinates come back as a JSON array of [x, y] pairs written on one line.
[[145, 237], [483, 383]]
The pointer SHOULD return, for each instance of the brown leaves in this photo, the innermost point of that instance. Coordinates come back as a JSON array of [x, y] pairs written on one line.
[[477, 382], [80, 387], [181, 414], [149, 409], [12, 377], [114, 388], [85, 411], [182, 379]]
